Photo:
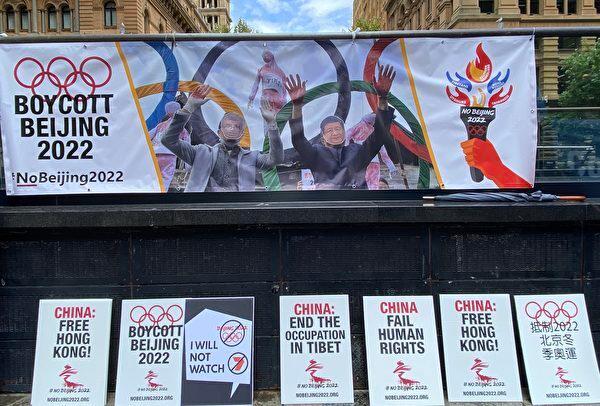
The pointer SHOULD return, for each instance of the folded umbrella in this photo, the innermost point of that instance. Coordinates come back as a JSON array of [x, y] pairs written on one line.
[[537, 196]]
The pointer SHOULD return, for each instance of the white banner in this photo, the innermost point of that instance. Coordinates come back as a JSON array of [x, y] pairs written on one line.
[[121, 118], [71, 352], [402, 351], [558, 351], [315, 350], [479, 348]]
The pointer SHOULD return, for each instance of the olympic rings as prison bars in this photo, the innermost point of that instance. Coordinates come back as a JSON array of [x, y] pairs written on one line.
[[156, 314], [53, 77]]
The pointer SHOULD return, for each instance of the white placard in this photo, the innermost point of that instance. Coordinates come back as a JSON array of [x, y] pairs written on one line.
[[479, 348], [150, 352], [402, 351], [71, 352], [558, 351], [315, 349]]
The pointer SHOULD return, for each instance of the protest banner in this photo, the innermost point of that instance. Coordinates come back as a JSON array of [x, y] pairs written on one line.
[[558, 351], [71, 352], [107, 117], [186, 352], [479, 348], [402, 351], [315, 350], [219, 341]]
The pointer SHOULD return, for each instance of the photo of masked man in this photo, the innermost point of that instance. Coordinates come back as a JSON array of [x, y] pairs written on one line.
[[335, 165], [224, 166]]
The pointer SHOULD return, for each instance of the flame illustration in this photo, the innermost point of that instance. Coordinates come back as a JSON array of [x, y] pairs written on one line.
[[459, 98], [460, 81], [496, 82], [499, 98], [481, 101], [479, 70]]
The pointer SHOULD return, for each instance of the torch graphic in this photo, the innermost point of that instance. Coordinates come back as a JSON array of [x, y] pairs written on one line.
[[472, 92]]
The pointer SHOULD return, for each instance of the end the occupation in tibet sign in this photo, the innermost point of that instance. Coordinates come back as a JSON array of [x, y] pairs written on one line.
[[315, 349], [71, 352], [186, 352], [402, 351], [557, 349], [479, 348]]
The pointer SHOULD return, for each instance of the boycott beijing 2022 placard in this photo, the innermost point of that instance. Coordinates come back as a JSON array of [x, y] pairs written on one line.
[[71, 352], [153, 116], [186, 352], [558, 350], [479, 348]]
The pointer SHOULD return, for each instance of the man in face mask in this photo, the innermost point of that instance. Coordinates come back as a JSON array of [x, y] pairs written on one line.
[[335, 165], [224, 166]]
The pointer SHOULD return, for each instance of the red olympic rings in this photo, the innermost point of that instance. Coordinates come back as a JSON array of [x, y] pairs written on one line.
[[551, 311], [156, 314], [476, 130], [69, 80]]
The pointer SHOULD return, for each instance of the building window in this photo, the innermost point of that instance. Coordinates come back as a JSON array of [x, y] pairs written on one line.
[[534, 7], [161, 28], [523, 6], [110, 14], [569, 43], [572, 6], [52, 22], [597, 4], [24, 18], [65, 12], [10, 18], [146, 22], [486, 6]]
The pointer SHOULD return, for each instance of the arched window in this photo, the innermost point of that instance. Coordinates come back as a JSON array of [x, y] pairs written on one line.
[[65, 12], [10, 18], [24, 18], [52, 20], [146, 22], [110, 14]]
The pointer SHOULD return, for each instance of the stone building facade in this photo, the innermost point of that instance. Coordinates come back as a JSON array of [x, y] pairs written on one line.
[[217, 13], [463, 14], [56, 17]]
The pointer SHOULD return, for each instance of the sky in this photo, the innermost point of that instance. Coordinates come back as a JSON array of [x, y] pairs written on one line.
[[269, 16]]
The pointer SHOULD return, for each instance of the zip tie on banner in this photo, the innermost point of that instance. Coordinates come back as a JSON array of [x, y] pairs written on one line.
[[356, 31], [532, 34], [173, 41]]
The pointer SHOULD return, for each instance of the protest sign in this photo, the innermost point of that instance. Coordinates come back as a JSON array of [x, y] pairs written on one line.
[[71, 352], [219, 340], [150, 352], [479, 348], [107, 117], [402, 351], [186, 352], [558, 351], [315, 350]]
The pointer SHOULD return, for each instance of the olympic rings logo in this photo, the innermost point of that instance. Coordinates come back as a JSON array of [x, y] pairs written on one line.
[[551, 312], [156, 314], [476, 130], [62, 74]]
